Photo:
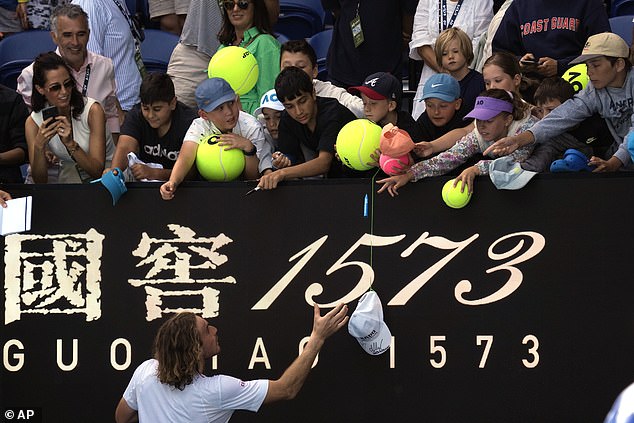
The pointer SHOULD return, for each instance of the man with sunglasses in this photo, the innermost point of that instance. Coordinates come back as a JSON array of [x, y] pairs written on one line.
[[93, 73]]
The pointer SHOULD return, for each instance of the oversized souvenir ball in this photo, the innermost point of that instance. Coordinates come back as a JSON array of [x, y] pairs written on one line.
[[237, 66], [452, 195], [217, 164], [395, 165], [356, 141], [577, 76]]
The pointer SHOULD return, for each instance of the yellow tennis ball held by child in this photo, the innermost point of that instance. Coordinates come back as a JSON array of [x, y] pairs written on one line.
[[453, 197], [356, 141], [217, 164], [237, 66]]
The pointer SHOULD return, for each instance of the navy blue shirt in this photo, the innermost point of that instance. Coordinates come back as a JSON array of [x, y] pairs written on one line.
[[471, 86], [547, 28]]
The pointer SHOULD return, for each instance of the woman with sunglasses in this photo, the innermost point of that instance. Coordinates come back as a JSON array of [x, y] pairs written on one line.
[[246, 24], [76, 133]]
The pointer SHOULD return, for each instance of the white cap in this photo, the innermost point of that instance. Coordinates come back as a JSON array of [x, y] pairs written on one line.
[[367, 325], [507, 174], [269, 100]]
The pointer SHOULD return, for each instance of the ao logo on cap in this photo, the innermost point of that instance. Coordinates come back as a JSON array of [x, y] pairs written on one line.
[[271, 98], [479, 102]]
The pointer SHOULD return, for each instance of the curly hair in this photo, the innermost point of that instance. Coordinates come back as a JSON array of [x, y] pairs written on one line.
[[44, 63], [227, 34], [178, 349]]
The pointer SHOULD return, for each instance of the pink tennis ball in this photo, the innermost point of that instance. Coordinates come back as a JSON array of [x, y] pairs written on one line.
[[394, 165]]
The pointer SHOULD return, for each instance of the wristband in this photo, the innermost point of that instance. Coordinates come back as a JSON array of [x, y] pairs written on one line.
[[251, 153], [23, 1]]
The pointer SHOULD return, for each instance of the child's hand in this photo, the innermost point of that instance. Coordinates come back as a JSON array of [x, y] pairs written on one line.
[[375, 158], [141, 172], [467, 178], [168, 189], [393, 183], [231, 141], [611, 165], [280, 160], [423, 149]]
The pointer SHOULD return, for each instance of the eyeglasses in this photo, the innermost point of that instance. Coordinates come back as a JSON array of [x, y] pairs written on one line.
[[56, 87], [229, 4]]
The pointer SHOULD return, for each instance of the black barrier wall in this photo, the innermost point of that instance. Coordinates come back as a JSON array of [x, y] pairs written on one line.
[[515, 308]]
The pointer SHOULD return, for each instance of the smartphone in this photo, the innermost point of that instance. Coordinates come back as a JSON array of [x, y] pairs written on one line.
[[49, 112], [529, 62]]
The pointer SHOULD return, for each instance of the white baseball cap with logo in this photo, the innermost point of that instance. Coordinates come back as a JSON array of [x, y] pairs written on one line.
[[367, 326], [269, 100]]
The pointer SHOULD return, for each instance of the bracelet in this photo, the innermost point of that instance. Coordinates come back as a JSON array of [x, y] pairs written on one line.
[[71, 151], [252, 152]]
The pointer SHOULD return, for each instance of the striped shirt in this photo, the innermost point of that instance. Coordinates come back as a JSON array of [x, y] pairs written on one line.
[[110, 36]]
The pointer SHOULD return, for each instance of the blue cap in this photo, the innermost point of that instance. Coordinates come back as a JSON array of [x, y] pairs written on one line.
[[212, 92], [442, 86], [114, 183]]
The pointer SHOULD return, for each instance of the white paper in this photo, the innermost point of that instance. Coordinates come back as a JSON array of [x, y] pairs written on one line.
[[16, 217]]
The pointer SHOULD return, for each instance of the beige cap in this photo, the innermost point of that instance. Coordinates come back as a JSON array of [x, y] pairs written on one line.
[[604, 44]]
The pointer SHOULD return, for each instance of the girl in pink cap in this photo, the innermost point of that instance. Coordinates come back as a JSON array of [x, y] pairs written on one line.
[[497, 114]]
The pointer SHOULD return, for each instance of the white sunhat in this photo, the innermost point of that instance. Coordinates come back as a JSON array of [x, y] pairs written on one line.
[[269, 100], [367, 326]]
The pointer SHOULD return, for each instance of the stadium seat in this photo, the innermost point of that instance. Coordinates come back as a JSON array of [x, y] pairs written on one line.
[[310, 7], [157, 48], [298, 25], [622, 7], [281, 38], [19, 50], [622, 25], [300, 18], [321, 43]]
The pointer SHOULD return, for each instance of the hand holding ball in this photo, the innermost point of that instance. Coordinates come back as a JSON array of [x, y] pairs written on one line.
[[452, 195], [356, 141], [395, 165], [214, 163], [237, 66]]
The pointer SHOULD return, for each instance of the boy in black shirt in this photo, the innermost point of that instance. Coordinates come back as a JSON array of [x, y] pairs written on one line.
[[153, 130], [308, 128]]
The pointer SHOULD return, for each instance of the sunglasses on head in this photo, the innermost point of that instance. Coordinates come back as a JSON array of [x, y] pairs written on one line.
[[230, 4], [56, 87]]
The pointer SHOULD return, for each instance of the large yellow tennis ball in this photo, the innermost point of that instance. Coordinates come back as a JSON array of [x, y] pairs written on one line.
[[237, 66], [452, 195], [214, 163], [577, 76], [356, 141]]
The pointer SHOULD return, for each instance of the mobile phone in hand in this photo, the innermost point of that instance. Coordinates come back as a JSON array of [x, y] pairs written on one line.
[[528, 62], [49, 112]]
